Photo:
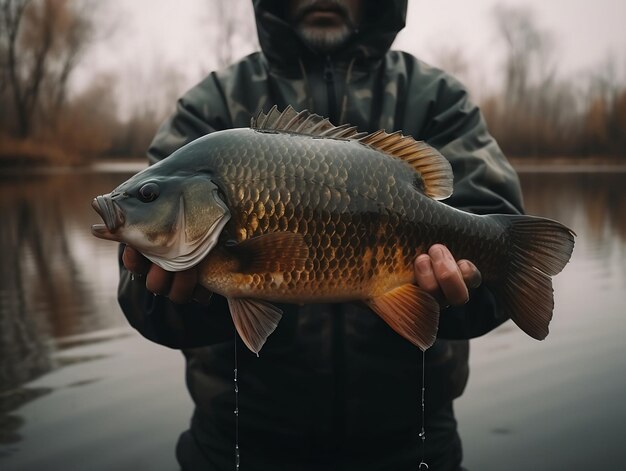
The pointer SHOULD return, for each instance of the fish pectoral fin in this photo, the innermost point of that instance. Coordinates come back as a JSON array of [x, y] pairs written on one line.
[[254, 320], [271, 253], [411, 312]]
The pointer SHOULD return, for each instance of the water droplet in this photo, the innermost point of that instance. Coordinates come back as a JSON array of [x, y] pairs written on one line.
[[422, 434], [236, 411]]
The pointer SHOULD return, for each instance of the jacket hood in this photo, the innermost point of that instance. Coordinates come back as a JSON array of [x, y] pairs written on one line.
[[283, 47]]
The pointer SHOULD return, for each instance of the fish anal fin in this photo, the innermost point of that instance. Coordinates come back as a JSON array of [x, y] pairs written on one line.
[[411, 312], [272, 253], [254, 320], [434, 174]]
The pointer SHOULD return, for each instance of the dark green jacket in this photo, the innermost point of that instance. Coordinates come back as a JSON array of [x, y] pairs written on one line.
[[332, 380]]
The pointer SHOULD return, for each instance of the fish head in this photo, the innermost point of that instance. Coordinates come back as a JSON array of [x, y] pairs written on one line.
[[174, 220]]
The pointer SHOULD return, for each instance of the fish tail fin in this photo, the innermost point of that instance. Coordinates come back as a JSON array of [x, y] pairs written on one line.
[[538, 249]]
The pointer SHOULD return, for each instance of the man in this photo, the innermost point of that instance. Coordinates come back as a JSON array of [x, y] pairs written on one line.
[[334, 387]]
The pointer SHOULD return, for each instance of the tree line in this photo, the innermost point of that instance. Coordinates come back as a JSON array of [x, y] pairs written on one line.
[[534, 113]]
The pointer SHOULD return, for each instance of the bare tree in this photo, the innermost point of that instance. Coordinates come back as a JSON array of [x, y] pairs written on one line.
[[12, 12], [529, 51], [232, 29], [42, 41]]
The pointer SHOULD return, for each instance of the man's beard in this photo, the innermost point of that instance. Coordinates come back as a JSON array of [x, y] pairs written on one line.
[[323, 38]]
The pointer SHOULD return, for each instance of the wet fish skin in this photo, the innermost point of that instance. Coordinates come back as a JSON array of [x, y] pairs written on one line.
[[362, 224], [297, 210]]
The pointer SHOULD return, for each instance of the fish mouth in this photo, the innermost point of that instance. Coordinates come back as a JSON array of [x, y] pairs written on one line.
[[111, 215]]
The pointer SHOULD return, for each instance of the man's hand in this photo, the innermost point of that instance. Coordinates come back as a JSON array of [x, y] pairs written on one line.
[[179, 287], [444, 278]]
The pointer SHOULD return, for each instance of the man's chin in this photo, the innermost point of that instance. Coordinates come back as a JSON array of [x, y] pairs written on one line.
[[324, 38]]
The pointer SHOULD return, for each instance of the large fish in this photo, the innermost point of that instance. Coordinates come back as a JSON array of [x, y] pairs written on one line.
[[297, 210]]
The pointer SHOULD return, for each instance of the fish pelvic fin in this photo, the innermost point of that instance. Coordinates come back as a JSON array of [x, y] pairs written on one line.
[[272, 253], [434, 175], [539, 249], [411, 312], [254, 320]]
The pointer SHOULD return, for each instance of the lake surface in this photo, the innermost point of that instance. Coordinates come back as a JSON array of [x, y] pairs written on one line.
[[79, 389]]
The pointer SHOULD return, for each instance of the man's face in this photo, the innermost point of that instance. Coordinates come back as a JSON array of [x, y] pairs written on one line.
[[324, 25]]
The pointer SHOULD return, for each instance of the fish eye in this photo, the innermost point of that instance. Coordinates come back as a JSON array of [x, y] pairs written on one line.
[[148, 192]]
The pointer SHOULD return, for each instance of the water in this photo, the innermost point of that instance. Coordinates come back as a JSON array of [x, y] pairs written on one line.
[[558, 404], [79, 388]]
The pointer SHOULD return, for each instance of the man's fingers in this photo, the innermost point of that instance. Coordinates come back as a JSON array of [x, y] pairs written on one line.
[[158, 281], [471, 274], [425, 276], [182, 287], [448, 275], [135, 262]]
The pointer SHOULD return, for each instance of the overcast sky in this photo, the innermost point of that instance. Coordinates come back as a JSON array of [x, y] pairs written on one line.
[[160, 36]]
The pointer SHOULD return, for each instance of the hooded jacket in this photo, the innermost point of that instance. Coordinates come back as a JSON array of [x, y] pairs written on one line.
[[334, 387]]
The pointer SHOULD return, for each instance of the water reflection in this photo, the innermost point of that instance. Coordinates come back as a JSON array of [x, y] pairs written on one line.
[[593, 202], [594, 206], [47, 285], [11, 423], [52, 281]]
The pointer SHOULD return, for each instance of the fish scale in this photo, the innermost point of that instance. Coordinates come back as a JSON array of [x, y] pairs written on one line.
[[373, 238]]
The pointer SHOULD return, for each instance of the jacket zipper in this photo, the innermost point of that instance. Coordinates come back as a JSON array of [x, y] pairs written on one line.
[[338, 340], [329, 78]]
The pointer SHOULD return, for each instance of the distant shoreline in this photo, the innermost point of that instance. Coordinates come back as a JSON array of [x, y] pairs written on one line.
[[568, 165], [521, 165]]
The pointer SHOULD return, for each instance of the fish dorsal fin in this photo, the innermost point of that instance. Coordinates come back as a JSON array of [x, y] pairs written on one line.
[[303, 122], [434, 173]]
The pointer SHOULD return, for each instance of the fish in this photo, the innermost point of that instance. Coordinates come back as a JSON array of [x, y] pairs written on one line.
[[296, 210]]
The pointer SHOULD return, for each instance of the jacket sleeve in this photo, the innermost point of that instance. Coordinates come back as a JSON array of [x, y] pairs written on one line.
[[484, 183], [200, 111]]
